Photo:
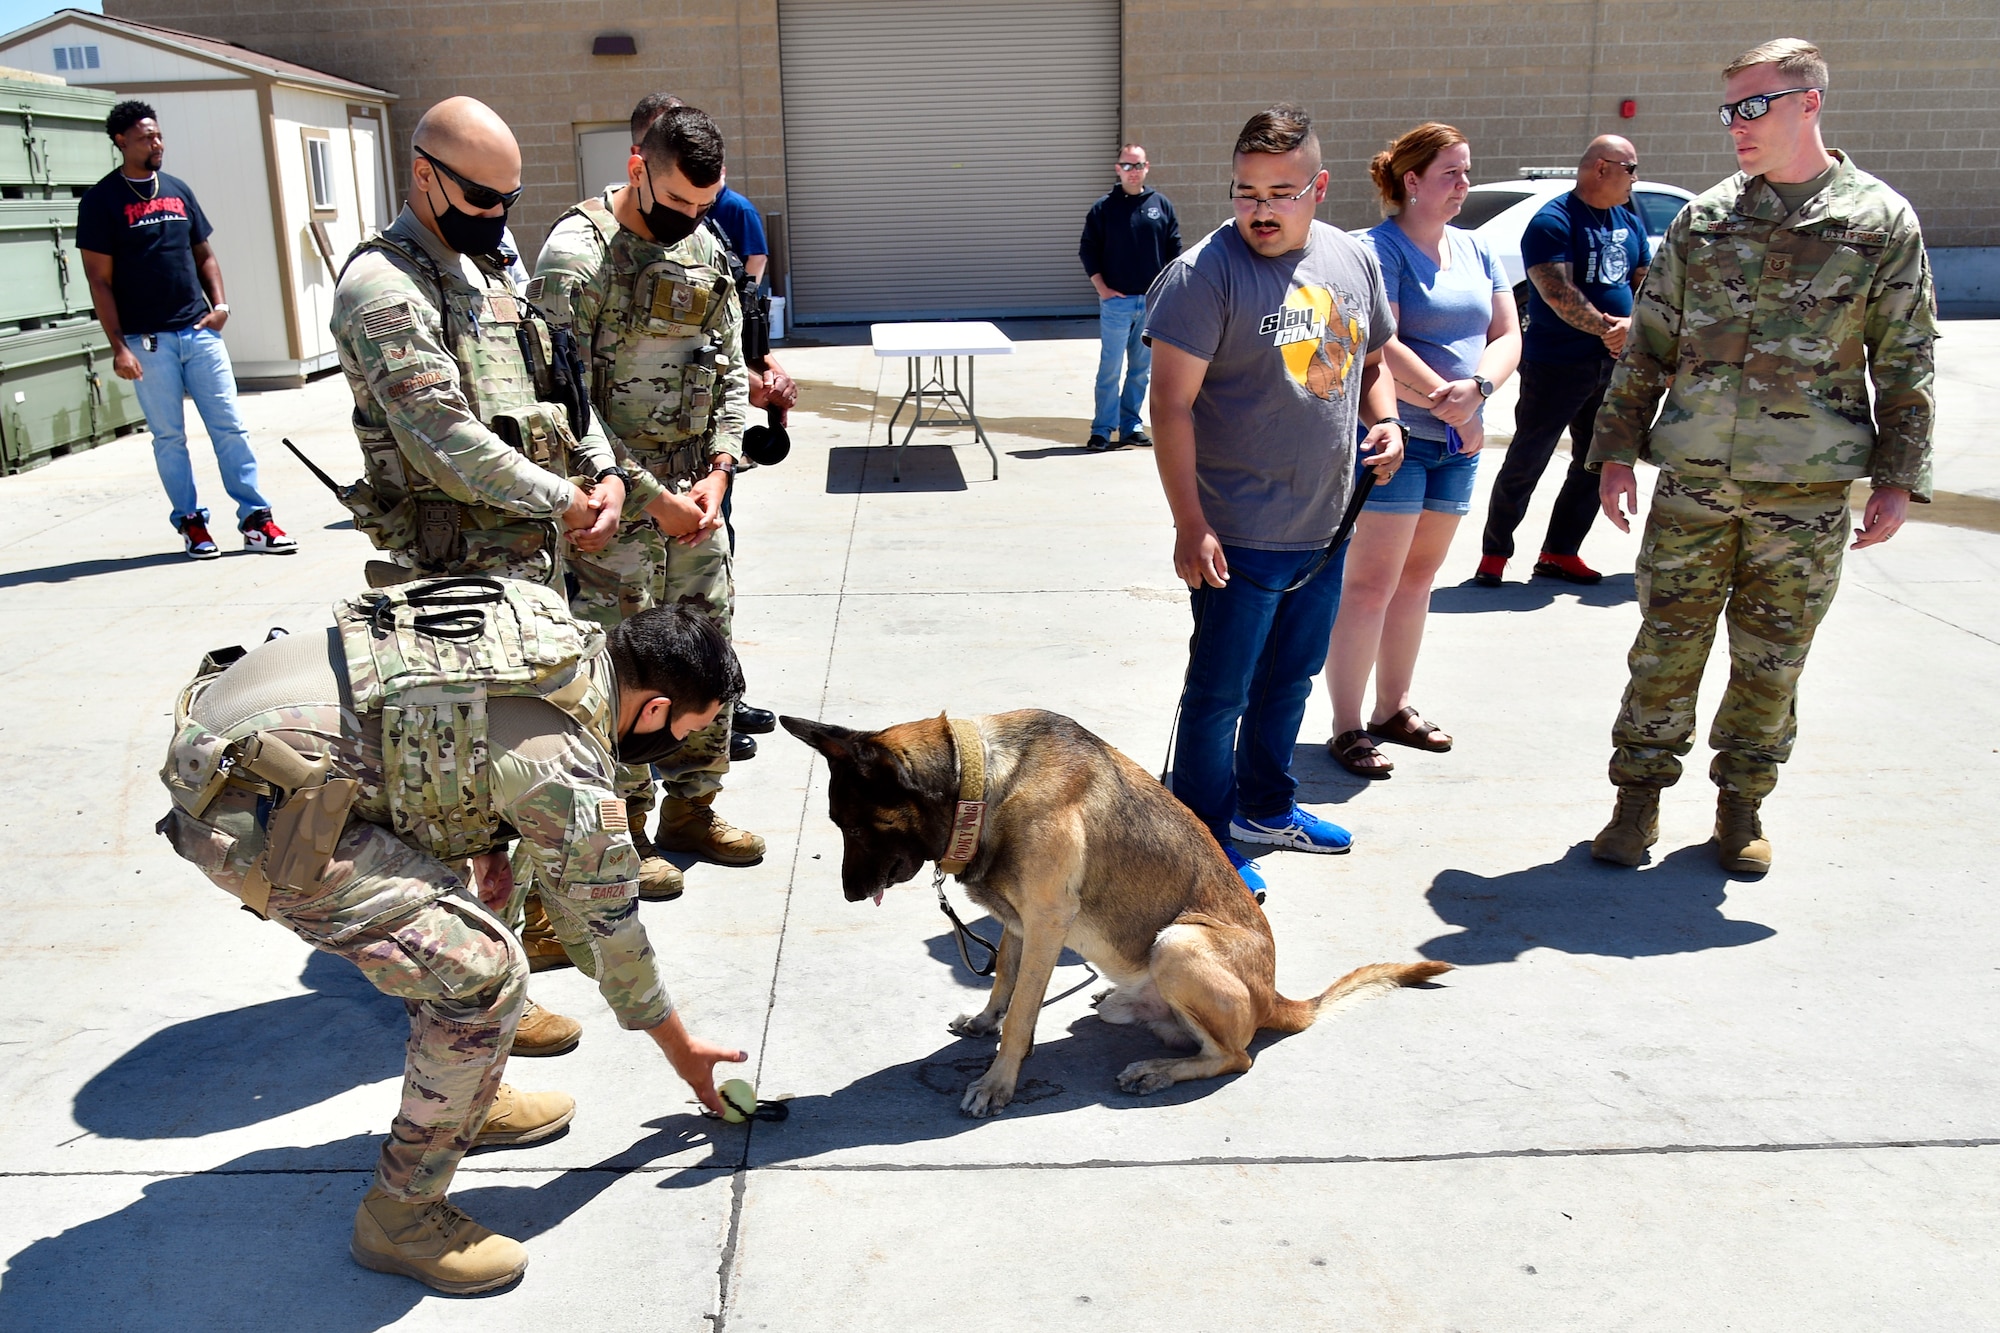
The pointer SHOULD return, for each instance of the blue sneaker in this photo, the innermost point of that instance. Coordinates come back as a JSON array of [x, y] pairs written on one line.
[[1253, 878], [1299, 831]]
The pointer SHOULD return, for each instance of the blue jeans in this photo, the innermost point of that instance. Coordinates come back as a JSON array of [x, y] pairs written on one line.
[[192, 363], [1120, 322], [1252, 658]]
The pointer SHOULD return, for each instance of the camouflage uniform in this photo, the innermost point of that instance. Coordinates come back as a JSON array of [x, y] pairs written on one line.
[[663, 329], [439, 771], [1759, 326], [465, 460]]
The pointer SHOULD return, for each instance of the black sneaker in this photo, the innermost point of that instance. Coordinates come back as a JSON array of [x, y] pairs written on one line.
[[1136, 437], [741, 747], [1097, 444], [200, 546], [749, 721]]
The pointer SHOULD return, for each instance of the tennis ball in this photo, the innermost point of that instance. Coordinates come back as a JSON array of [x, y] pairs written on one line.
[[739, 1100]]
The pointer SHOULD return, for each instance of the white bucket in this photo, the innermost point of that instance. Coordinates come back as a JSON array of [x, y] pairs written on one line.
[[777, 318]]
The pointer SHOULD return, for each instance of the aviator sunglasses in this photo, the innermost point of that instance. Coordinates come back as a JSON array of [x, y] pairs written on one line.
[[1754, 108], [480, 196]]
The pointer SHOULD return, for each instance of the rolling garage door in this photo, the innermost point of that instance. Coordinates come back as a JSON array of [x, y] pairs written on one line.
[[940, 157]]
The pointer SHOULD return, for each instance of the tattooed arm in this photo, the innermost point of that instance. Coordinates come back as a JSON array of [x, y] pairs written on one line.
[[1563, 296]]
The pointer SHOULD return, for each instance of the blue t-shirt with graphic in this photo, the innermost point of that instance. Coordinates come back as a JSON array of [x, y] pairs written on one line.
[[1442, 314], [1602, 246]]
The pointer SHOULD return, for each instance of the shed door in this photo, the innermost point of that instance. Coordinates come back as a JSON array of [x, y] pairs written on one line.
[[939, 158]]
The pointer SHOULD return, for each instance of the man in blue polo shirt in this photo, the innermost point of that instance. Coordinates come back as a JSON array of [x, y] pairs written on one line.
[[157, 288], [1585, 254]]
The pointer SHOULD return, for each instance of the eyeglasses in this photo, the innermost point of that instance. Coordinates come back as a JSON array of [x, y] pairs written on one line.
[[1283, 203], [479, 196], [1132, 166], [1754, 108], [1629, 168]]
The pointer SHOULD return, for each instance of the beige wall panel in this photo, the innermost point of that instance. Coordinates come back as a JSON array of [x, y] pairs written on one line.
[[531, 61], [122, 60]]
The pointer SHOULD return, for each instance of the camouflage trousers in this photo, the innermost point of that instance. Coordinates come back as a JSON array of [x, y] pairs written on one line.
[[416, 932], [1765, 555], [642, 569]]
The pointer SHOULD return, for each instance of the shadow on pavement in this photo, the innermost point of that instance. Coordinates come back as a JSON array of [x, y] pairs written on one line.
[[1580, 906], [84, 569], [225, 1071], [260, 1243], [1533, 595], [855, 470]]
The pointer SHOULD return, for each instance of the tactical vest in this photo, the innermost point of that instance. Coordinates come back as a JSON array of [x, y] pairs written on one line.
[[657, 332], [508, 369], [426, 656]]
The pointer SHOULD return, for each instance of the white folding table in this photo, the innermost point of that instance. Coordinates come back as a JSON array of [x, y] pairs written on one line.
[[953, 402]]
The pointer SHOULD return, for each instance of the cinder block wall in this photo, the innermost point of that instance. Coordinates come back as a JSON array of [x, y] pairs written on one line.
[[531, 62], [1915, 98]]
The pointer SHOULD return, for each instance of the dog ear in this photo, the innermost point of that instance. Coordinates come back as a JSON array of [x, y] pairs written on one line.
[[843, 745]]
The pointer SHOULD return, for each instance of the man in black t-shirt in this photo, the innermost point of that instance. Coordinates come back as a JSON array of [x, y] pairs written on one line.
[[1129, 236], [157, 288]]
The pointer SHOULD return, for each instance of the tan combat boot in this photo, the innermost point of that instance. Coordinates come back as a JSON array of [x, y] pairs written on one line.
[[659, 879], [1634, 827], [433, 1242], [691, 825], [545, 1032], [538, 939], [519, 1118], [1739, 835]]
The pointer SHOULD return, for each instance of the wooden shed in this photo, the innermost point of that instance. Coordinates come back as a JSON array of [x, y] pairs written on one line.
[[290, 164]]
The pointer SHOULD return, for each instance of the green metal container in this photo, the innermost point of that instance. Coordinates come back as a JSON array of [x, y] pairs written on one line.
[[41, 274], [52, 137], [58, 395]]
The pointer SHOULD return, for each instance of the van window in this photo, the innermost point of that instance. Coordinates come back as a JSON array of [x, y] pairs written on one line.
[[1657, 209], [1482, 206]]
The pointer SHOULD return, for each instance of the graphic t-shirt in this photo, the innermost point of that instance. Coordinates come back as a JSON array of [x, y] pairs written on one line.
[[1602, 246], [1284, 339], [1442, 314], [150, 236]]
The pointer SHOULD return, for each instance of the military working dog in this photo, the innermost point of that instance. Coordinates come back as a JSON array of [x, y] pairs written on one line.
[[1080, 847]]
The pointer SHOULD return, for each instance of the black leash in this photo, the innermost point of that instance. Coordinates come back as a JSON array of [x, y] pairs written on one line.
[[1362, 487], [961, 933]]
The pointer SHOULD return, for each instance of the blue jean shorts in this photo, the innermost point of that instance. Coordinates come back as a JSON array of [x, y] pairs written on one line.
[[1430, 479]]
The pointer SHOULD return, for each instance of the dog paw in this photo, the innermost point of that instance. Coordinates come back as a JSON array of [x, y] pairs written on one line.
[[986, 1095], [974, 1025], [1144, 1076]]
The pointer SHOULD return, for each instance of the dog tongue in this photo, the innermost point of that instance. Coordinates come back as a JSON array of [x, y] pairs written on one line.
[[878, 897]]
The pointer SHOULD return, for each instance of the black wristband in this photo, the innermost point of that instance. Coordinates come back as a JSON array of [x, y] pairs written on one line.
[[1392, 421], [617, 472]]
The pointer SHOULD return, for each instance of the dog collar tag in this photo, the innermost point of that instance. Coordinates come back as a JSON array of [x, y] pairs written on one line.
[[965, 828]]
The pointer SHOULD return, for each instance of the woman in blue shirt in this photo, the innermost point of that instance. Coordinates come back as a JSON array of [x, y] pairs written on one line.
[[1458, 337]]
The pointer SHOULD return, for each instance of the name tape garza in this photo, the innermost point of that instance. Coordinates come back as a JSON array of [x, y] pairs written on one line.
[[423, 379], [389, 319], [965, 827]]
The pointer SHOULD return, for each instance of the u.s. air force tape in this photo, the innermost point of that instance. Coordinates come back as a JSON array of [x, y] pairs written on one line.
[[389, 319]]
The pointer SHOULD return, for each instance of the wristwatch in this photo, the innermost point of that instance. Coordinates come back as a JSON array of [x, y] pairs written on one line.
[[727, 467], [1485, 386], [222, 309], [617, 472]]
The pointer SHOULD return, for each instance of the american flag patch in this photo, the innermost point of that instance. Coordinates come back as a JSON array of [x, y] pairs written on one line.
[[535, 288], [611, 814], [389, 319], [502, 308]]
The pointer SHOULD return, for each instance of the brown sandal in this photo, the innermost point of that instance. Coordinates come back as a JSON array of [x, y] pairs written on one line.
[[1408, 728], [1350, 749]]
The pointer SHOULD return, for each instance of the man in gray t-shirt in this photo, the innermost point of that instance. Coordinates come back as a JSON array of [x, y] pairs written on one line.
[[1267, 339]]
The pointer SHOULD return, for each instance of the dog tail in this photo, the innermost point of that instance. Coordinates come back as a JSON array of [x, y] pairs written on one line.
[[1298, 1015]]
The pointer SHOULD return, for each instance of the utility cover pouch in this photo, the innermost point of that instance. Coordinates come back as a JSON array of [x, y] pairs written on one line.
[[301, 835], [440, 532], [380, 501], [539, 432]]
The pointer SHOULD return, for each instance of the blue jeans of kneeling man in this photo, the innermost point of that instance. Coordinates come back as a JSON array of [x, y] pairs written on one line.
[[192, 363], [1252, 659], [1120, 323]]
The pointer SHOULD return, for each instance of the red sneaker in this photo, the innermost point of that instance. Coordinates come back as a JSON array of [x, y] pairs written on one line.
[[200, 546], [1568, 568], [262, 535], [1489, 571]]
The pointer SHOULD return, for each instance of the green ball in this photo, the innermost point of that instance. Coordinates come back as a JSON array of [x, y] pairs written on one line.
[[739, 1100]]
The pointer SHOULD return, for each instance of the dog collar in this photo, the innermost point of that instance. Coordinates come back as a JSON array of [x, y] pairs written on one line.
[[970, 817]]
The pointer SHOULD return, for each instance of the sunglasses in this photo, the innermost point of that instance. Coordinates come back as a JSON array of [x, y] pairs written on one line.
[[1131, 166], [479, 196], [1755, 108]]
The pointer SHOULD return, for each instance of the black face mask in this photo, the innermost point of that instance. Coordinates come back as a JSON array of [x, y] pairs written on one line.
[[469, 233], [650, 747], [669, 226]]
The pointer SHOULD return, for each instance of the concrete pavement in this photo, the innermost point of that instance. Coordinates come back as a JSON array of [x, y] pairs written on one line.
[[1663, 1099]]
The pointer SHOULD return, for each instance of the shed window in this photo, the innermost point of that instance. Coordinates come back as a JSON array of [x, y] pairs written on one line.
[[319, 174], [70, 58]]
